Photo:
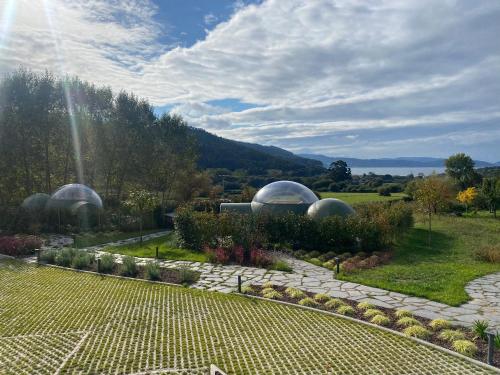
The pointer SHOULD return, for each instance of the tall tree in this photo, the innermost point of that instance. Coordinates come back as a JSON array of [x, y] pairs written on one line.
[[490, 192], [140, 202], [460, 167], [339, 171]]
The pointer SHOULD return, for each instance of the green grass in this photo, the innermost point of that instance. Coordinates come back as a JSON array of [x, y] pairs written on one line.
[[59, 321], [439, 272], [353, 198], [167, 249], [98, 238]]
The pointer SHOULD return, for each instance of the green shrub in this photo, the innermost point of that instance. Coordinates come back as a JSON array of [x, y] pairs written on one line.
[[334, 303], [381, 320], [480, 328], [315, 261], [308, 301], [465, 347], [417, 331], [272, 294], [372, 312], [282, 266], [64, 257], [267, 290], [408, 321], [403, 313], [365, 306], [152, 270], [48, 256], [438, 324], [321, 297], [187, 276], [107, 263], [496, 340], [81, 260], [451, 335], [247, 289], [345, 310], [129, 266], [268, 284], [294, 293]]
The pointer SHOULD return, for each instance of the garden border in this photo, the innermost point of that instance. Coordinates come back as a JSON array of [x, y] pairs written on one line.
[[429, 344]]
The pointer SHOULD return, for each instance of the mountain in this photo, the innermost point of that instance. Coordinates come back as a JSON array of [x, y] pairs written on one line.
[[391, 162], [218, 152]]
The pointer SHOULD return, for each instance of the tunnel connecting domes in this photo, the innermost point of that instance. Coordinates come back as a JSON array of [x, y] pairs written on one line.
[[282, 197]]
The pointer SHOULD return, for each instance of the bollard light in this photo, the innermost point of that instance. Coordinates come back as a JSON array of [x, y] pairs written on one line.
[[98, 265], [337, 263], [239, 283], [491, 347], [37, 255], [157, 253]]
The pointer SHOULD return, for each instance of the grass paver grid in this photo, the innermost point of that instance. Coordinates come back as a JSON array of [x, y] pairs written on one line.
[[80, 323]]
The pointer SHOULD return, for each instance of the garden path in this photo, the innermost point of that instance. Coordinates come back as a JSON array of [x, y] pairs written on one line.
[[484, 291]]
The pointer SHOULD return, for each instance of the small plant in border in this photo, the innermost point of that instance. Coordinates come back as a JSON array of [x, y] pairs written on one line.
[[308, 301], [465, 347], [294, 292], [321, 297], [334, 303], [451, 335], [345, 310], [480, 328], [381, 320], [438, 324], [152, 270], [417, 331], [408, 321], [129, 266], [402, 313], [107, 263]]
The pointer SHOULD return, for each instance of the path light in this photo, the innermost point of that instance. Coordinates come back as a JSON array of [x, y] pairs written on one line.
[[337, 263], [239, 283], [491, 346], [157, 253], [98, 265]]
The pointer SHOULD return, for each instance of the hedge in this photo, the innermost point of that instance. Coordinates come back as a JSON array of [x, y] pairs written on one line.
[[374, 227]]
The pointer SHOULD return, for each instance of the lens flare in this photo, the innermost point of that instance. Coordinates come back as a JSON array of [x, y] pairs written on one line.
[[7, 17]]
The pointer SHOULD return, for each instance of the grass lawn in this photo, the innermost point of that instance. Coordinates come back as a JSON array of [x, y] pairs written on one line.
[[167, 249], [55, 321], [353, 198], [97, 238], [440, 272]]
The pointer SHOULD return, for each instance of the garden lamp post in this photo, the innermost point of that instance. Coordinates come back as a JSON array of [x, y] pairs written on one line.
[[337, 263]]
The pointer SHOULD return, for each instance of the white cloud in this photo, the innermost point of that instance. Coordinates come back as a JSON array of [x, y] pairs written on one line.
[[316, 68], [210, 18]]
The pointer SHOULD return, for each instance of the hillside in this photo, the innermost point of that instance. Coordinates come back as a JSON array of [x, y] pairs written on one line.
[[391, 162], [218, 152]]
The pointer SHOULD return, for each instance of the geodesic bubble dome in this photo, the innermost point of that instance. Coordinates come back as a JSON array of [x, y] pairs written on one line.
[[36, 202], [68, 195], [329, 207], [282, 197]]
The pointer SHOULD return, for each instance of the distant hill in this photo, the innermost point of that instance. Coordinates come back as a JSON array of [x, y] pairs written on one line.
[[218, 152], [391, 162]]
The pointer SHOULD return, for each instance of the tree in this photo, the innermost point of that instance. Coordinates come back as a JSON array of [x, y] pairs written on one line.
[[432, 195], [490, 192], [339, 171], [460, 167], [140, 202], [467, 197]]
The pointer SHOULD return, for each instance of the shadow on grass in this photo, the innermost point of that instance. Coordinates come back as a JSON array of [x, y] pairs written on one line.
[[413, 246]]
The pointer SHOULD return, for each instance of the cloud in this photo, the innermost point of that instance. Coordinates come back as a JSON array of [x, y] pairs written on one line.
[[316, 69], [210, 18]]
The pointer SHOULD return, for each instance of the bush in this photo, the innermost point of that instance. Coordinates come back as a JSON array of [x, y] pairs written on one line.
[[321, 297], [107, 263], [152, 270], [64, 257], [417, 331], [129, 266], [260, 258], [372, 312], [17, 246], [465, 347], [384, 191], [408, 321], [282, 266], [334, 303], [488, 253], [451, 335], [247, 289], [81, 260], [345, 310], [308, 301], [272, 294], [187, 276], [294, 293], [438, 324], [401, 313], [365, 305], [381, 320], [48, 256], [480, 329]]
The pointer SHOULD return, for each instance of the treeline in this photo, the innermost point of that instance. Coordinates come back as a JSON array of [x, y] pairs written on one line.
[[55, 131]]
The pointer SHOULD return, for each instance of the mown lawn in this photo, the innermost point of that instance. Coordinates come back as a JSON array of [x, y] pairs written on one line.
[[167, 249], [439, 272], [353, 198], [55, 321], [98, 238]]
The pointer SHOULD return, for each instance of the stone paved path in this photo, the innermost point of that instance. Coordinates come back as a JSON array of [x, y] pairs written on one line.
[[485, 291]]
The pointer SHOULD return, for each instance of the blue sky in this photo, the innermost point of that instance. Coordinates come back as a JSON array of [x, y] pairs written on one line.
[[377, 78]]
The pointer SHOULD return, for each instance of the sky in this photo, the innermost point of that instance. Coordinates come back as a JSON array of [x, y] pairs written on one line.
[[357, 78]]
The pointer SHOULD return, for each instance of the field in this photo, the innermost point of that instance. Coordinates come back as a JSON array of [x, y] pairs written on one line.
[[167, 249], [353, 198], [439, 272], [55, 321]]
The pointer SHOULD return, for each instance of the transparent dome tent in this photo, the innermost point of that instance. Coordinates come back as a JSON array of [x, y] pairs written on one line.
[[36, 202], [282, 197], [73, 196], [329, 207]]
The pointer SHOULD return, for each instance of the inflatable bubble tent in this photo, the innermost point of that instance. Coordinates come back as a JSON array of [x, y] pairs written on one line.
[[283, 196], [329, 207], [74, 196]]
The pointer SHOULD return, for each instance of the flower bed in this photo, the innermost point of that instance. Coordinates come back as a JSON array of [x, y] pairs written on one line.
[[438, 331], [83, 260], [349, 261], [18, 246]]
